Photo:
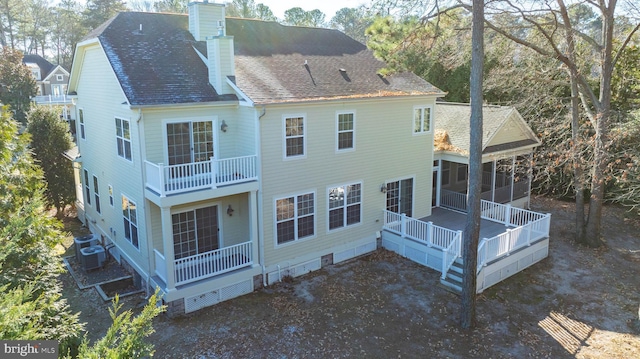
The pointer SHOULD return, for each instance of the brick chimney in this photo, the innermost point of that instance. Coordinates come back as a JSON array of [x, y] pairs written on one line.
[[207, 23]]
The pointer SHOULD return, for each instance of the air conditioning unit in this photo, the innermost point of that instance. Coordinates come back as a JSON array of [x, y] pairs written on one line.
[[92, 257], [84, 242]]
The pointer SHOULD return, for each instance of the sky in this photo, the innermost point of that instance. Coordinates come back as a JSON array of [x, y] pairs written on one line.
[[328, 7]]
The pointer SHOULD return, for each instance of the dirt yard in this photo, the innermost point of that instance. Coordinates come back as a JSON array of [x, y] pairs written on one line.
[[577, 303]]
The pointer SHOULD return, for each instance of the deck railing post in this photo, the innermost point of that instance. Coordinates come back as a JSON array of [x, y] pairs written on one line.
[[213, 172], [529, 227], [486, 252], [509, 239], [429, 234], [403, 225], [162, 177], [548, 223], [507, 214], [459, 250]]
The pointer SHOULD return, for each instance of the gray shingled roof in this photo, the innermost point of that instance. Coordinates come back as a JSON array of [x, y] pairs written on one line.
[[44, 65], [454, 119], [159, 65]]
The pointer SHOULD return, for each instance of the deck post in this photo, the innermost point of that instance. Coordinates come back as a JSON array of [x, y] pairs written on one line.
[[429, 234], [403, 225], [486, 252], [459, 250], [162, 184], [214, 171], [507, 214], [509, 238], [167, 246], [529, 226]]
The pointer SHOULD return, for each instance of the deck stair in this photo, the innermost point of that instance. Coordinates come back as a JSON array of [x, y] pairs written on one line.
[[453, 279]]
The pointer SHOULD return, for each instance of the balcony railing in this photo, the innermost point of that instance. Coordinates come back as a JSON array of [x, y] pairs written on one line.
[[51, 99], [206, 265], [172, 179]]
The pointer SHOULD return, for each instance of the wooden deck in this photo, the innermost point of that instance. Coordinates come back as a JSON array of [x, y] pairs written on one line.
[[456, 221]]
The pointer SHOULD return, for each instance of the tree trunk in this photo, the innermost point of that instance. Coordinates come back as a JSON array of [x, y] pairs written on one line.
[[472, 227], [578, 184], [593, 236]]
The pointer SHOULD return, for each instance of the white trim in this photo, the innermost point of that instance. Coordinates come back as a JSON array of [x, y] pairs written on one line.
[[240, 93], [112, 200], [137, 224], [344, 205], [86, 186], [284, 136], [275, 218], [82, 128], [413, 124], [115, 121], [96, 193], [353, 131]]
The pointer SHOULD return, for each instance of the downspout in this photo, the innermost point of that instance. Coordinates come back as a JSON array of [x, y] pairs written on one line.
[[259, 200], [143, 155]]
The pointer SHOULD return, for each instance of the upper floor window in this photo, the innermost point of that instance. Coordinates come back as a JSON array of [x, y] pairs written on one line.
[[123, 138], [346, 131], [59, 77], [96, 193], [81, 123], [295, 217], [345, 203], [110, 190], [87, 188], [129, 213], [422, 119], [294, 136]]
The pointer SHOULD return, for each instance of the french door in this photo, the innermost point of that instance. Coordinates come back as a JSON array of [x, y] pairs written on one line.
[[400, 196], [195, 232], [189, 142]]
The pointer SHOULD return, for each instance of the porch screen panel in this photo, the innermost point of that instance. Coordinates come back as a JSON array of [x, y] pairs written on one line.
[[207, 229], [179, 143], [202, 141]]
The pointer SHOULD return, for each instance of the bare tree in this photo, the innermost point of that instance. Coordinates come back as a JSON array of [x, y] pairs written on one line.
[[549, 22]]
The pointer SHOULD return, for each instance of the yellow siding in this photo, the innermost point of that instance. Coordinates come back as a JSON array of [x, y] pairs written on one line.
[[384, 142], [239, 140], [101, 100], [512, 131]]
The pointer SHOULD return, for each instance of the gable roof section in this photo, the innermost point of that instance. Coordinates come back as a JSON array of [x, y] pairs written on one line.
[[277, 63], [55, 69], [497, 121], [44, 65], [160, 64]]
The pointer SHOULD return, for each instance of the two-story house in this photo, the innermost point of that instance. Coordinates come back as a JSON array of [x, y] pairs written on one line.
[[219, 155], [52, 81]]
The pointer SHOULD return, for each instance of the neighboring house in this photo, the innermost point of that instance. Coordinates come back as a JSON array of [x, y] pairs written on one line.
[[52, 81], [219, 155]]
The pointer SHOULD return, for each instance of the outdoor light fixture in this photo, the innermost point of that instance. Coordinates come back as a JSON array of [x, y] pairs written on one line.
[[383, 188], [230, 211], [224, 126]]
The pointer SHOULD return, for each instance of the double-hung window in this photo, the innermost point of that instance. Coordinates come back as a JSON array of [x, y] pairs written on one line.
[[130, 216], [422, 119], [346, 131], [96, 193], [294, 137], [345, 205], [81, 123], [295, 217], [87, 188], [123, 138], [110, 195]]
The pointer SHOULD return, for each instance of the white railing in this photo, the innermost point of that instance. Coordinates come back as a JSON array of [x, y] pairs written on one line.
[[513, 239], [51, 99], [425, 232], [172, 179], [209, 264], [453, 200], [450, 254], [161, 266]]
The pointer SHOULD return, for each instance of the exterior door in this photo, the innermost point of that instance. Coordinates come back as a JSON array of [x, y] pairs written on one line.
[[189, 142], [195, 232], [400, 196]]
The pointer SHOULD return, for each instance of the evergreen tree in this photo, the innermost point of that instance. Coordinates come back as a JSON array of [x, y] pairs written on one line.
[[17, 84]]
